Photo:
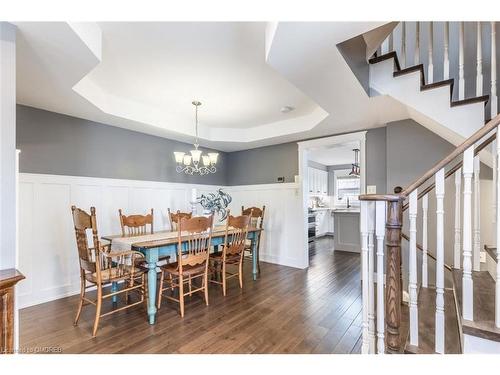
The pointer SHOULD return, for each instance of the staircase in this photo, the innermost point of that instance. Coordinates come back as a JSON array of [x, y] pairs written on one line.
[[462, 315]]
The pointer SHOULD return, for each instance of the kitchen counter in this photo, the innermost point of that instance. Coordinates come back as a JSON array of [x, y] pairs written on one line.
[[354, 210], [346, 210]]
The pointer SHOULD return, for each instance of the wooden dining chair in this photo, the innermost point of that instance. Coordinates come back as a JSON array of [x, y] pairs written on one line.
[[232, 251], [100, 267], [136, 225], [176, 217], [194, 241], [256, 221]]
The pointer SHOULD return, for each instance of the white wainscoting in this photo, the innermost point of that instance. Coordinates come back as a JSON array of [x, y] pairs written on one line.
[[47, 248], [283, 236]]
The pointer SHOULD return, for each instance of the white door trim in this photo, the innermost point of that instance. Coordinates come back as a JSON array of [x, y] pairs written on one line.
[[304, 148]]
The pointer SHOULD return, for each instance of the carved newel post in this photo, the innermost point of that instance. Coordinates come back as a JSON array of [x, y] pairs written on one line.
[[393, 273]]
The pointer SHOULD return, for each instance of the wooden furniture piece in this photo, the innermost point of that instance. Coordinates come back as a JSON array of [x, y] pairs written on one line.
[[233, 250], [175, 218], [136, 225], [101, 267], [8, 280], [192, 261], [256, 220], [166, 243]]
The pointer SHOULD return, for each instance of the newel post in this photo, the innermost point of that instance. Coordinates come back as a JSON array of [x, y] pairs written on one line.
[[393, 274]]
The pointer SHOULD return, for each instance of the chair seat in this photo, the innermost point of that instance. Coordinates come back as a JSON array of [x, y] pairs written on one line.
[[186, 269], [230, 258], [113, 274]]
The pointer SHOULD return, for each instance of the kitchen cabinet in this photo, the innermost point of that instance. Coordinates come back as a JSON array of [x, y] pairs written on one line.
[[324, 222], [317, 181]]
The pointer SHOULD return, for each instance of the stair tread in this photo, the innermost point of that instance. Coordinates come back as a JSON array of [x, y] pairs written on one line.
[[411, 69], [476, 99], [447, 82], [423, 86], [387, 56], [492, 252], [426, 323], [484, 305]]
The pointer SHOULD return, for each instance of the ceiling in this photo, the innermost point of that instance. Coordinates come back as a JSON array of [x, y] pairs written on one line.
[[143, 76], [336, 154]]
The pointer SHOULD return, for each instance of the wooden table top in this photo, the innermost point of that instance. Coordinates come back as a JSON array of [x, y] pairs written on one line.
[[170, 237]]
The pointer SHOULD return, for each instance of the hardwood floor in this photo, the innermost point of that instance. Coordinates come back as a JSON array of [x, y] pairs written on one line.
[[286, 310]]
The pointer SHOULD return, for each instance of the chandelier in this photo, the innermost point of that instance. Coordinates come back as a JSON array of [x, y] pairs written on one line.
[[355, 165], [190, 163]]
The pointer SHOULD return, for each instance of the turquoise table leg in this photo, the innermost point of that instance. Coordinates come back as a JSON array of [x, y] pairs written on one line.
[[152, 259], [114, 288], [254, 256]]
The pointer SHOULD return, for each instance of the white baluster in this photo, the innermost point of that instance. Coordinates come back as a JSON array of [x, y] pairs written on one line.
[[476, 253], [439, 261], [391, 41], [497, 281], [417, 43], [371, 270], [403, 45], [365, 344], [458, 217], [493, 96], [461, 79], [425, 208], [430, 68], [413, 270], [479, 63], [446, 63], [467, 291], [380, 233], [439, 348]]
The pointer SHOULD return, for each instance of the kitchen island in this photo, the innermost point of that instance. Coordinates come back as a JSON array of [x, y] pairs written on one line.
[[346, 229]]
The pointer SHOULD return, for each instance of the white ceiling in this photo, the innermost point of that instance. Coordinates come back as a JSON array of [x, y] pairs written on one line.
[[143, 77], [337, 154]]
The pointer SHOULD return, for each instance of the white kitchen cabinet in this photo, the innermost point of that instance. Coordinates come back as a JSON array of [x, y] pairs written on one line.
[[324, 222], [317, 181]]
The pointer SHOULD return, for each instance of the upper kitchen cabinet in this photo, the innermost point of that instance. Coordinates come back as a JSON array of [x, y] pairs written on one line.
[[317, 181]]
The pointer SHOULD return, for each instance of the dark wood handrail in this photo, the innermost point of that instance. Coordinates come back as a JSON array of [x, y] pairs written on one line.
[[405, 236], [380, 197], [477, 150], [490, 125]]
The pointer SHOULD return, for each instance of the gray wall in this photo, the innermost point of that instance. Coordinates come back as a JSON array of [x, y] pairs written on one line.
[[376, 166], [53, 143], [263, 165]]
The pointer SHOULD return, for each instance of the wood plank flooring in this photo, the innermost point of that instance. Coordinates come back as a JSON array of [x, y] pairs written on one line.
[[286, 310]]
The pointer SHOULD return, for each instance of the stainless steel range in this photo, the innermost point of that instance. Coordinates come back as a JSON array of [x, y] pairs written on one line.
[[311, 222]]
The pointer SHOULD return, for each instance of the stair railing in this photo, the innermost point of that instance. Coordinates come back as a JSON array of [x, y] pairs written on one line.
[[381, 227], [426, 43]]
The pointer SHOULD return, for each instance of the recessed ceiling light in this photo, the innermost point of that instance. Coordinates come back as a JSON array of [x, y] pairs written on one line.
[[287, 109]]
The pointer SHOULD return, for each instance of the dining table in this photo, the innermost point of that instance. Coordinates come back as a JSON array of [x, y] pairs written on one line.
[[165, 243]]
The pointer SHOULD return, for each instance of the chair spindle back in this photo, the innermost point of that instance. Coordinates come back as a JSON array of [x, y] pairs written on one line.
[[236, 234], [136, 225], [256, 215], [197, 234], [175, 218]]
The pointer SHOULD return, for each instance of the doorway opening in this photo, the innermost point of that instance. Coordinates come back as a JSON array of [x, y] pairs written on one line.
[[332, 173]]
